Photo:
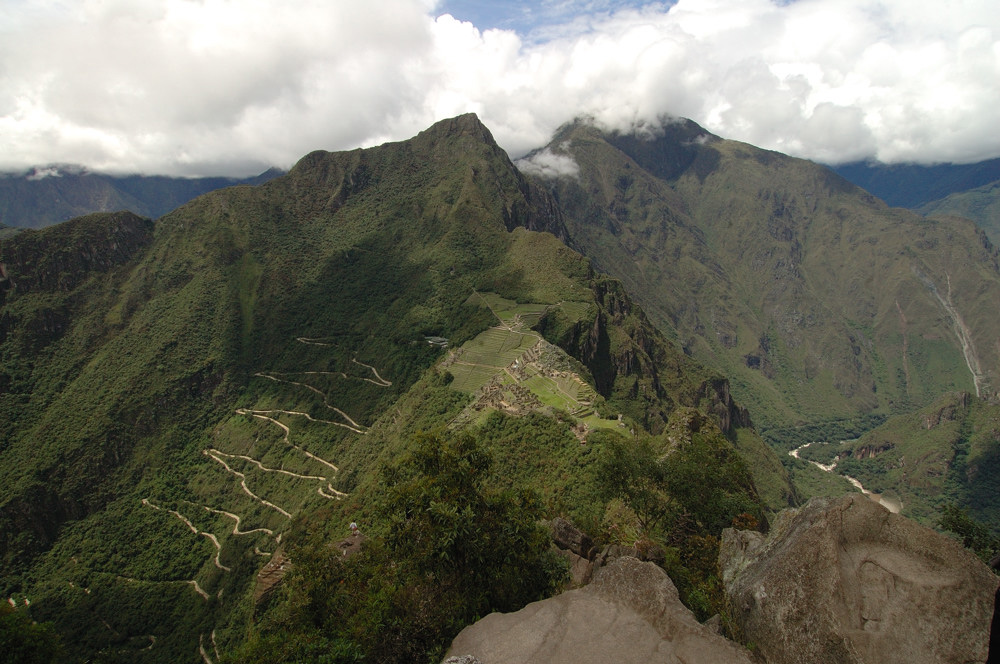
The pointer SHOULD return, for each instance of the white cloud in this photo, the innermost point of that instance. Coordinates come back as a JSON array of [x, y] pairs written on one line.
[[227, 86], [44, 172], [548, 164]]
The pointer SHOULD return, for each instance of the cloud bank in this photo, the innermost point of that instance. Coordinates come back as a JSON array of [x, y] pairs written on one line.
[[231, 87], [548, 164]]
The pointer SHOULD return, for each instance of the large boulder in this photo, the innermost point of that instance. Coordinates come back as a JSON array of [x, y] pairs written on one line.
[[844, 580], [629, 613]]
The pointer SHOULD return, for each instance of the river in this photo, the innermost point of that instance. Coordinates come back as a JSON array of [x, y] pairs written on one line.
[[890, 504]]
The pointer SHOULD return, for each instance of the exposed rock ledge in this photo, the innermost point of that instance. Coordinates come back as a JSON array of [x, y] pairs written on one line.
[[629, 613], [843, 580]]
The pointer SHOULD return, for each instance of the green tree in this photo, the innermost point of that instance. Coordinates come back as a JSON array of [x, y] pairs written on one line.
[[24, 641], [974, 535], [683, 488], [711, 482], [456, 549], [636, 472], [451, 525]]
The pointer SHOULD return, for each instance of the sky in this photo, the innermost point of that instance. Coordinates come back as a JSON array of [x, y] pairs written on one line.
[[231, 87]]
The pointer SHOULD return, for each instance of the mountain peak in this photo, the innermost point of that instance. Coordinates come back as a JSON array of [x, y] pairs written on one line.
[[443, 133], [665, 147], [466, 125]]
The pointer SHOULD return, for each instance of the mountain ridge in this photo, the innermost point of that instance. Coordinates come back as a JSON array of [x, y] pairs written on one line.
[[981, 205], [238, 380]]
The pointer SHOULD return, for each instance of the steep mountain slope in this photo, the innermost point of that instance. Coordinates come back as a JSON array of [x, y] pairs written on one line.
[[177, 395], [981, 205], [50, 195], [815, 298]]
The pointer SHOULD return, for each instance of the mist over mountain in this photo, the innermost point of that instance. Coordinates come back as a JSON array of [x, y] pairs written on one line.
[[447, 349]]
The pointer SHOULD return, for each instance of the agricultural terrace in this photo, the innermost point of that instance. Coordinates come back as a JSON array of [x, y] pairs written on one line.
[[511, 368]]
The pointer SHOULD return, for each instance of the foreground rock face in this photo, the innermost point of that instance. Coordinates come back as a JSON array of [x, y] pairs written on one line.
[[630, 613], [843, 580]]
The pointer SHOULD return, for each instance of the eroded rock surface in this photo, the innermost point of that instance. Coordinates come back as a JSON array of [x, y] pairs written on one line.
[[630, 613], [843, 580]]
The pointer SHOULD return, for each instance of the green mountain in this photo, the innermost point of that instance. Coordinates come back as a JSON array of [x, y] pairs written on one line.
[[960, 190], [915, 185], [981, 205], [818, 301], [46, 196], [189, 402]]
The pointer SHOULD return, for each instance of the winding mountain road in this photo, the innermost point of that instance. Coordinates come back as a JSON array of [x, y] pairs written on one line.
[[243, 483], [236, 527], [212, 538], [353, 426]]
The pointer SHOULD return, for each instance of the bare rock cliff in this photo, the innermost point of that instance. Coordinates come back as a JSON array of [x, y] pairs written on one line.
[[845, 581]]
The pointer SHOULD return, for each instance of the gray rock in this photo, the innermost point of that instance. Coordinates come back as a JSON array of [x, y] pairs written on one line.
[[630, 613], [461, 659], [568, 536], [580, 569], [844, 580], [612, 552]]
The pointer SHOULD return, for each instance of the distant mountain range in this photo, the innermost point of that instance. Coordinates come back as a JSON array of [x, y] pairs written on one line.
[[48, 195], [913, 185], [981, 205], [964, 190]]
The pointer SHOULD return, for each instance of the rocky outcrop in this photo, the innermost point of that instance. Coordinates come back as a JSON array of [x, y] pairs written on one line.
[[845, 581], [576, 547], [567, 536], [630, 613], [947, 412], [615, 341], [729, 415], [271, 576], [584, 558], [869, 451]]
